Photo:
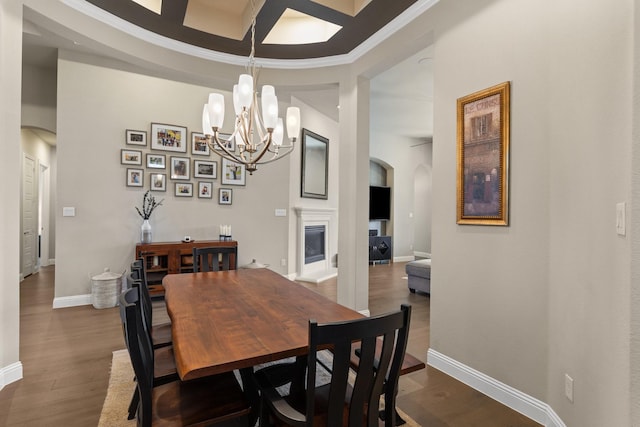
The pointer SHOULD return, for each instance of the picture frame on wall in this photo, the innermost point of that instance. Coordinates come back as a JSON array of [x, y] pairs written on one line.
[[180, 168], [131, 157], [183, 189], [205, 189], [225, 196], [199, 145], [156, 161], [168, 137], [229, 143], [483, 156], [135, 177], [158, 181], [233, 173], [205, 169], [136, 137]]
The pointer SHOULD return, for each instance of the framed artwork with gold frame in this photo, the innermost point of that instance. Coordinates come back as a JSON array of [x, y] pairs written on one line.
[[483, 157]]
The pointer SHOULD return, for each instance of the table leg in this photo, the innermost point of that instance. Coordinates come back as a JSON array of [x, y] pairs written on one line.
[[251, 391]]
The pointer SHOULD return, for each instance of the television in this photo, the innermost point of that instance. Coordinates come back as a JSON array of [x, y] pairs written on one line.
[[379, 203]]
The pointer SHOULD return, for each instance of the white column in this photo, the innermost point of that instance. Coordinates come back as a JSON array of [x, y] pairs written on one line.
[[353, 252]]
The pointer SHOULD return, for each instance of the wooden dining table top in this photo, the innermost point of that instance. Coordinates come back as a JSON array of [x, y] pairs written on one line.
[[236, 319]]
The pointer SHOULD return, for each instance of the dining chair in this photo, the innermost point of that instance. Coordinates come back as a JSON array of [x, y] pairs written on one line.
[[160, 333], [164, 365], [157, 290], [214, 259], [352, 397], [205, 401]]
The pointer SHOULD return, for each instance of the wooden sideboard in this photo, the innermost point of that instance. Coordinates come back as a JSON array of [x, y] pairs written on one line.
[[162, 258]]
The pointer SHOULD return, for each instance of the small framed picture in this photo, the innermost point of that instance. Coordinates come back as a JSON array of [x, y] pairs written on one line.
[[205, 189], [135, 177], [168, 138], [233, 173], [136, 137], [180, 168], [204, 169], [199, 146], [131, 157], [229, 143], [158, 181], [156, 161], [224, 196], [184, 189]]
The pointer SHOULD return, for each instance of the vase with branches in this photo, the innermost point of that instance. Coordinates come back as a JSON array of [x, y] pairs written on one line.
[[149, 204]]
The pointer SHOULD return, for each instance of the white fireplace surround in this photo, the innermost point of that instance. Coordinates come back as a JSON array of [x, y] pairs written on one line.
[[320, 270]]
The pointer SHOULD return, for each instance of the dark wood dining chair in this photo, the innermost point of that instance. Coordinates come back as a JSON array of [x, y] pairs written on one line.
[[161, 332], [164, 365], [352, 397], [156, 290], [205, 401], [214, 259]]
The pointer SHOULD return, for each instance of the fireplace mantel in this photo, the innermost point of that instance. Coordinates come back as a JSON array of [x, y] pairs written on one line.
[[321, 270]]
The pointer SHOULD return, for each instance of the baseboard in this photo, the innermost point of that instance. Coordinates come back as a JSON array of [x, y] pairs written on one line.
[[518, 401], [52, 261], [403, 258], [422, 254], [72, 301], [10, 374]]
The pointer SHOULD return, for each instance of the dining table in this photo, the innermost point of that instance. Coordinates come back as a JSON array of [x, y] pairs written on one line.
[[235, 319]]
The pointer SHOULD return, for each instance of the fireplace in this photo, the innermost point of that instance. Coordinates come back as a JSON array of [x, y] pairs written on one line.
[[314, 250]]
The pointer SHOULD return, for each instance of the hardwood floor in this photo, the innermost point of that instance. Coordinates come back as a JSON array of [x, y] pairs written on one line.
[[66, 356]]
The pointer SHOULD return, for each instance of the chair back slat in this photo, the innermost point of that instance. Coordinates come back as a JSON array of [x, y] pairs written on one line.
[[214, 259]]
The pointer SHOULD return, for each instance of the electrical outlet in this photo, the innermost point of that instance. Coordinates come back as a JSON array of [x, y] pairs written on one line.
[[568, 387], [283, 262]]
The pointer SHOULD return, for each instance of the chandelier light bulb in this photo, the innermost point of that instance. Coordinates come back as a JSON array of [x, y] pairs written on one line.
[[206, 124], [269, 110], [293, 123], [216, 110], [245, 91], [236, 100], [278, 133]]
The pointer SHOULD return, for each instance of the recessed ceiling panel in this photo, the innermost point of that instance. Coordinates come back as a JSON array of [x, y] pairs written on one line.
[[153, 5], [295, 27], [230, 19], [348, 7]]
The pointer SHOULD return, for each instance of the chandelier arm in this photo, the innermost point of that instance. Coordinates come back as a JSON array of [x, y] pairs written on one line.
[[229, 155], [263, 151], [277, 157]]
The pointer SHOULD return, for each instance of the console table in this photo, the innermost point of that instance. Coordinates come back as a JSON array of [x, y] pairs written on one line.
[[162, 258]]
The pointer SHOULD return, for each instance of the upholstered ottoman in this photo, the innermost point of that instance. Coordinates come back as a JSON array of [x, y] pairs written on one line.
[[419, 275]]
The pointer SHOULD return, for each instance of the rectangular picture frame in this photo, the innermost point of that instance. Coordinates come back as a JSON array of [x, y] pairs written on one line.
[[131, 157], [205, 189], [183, 189], [483, 156], [169, 137], [136, 137], [229, 143], [205, 169], [135, 177], [199, 145], [233, 173], [157, 181], [180, 168], [225, 196], [156, 161]]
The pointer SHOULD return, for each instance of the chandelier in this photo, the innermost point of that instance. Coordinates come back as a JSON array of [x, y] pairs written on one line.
[[257, 138]]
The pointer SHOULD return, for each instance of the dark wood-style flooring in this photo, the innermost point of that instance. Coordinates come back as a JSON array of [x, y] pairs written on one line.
[[66, 356]]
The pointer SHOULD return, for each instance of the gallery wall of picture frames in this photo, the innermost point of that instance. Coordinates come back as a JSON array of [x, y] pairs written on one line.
[[171, 161]]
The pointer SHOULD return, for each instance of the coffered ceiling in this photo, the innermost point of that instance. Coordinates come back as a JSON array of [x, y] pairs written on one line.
[[224, 26]]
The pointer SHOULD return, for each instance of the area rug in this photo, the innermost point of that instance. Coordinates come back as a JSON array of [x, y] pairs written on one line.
[[121, 385]]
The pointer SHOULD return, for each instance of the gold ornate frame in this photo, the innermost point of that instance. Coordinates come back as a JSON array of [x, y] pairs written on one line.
[[483, 157]]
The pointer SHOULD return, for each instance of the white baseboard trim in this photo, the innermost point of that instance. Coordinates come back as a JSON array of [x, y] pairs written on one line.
[[10, 374], [72, 301], [507, 395], [52, 261], [403, 258]]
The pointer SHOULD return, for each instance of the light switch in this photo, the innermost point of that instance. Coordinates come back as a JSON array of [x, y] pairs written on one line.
[[281, 212], [621, 220], [68, 211]]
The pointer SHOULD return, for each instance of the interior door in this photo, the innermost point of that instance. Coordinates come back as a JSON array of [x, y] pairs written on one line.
[[29, 215]]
